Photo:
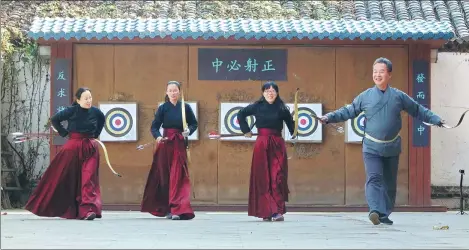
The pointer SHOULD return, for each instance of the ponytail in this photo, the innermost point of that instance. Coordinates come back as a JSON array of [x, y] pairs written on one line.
[[166, 98], [74, 103]]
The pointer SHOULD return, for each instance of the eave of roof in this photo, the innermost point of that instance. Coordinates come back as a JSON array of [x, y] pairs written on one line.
[[51, 29]]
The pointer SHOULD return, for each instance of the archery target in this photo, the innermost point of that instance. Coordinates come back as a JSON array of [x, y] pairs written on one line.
[[355, 129], [120, 121], [229, 123], [309, 128], [194, 107], [232, 123], [307, 125]]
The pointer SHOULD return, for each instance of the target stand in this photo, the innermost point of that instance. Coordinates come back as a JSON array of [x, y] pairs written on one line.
[[355, 129], [309, 128], [229, 123], [120, 121], [194, 107]]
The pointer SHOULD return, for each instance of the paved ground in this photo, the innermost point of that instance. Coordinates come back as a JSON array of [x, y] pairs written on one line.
[[126, 230]]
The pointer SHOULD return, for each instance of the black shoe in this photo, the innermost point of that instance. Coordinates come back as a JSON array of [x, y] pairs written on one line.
[[90, 216], [374, 217], [278, 217], [386, 220]]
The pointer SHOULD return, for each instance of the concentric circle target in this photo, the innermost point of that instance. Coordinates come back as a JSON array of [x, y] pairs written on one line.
[[307, 125], [232, 123], [358, 124], [118, 122]]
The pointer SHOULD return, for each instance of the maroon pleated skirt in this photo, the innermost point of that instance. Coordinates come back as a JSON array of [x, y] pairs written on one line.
[[268, 187], [69, 188], [168, 186]]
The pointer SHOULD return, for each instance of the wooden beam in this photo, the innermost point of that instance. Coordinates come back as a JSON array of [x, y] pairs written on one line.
[[231, 41], [58, 50], [419, 157]]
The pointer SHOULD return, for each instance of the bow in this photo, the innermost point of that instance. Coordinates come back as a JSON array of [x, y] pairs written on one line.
[[295, 110], [19, 137], [184, 125], [451, 127], [105, 154], [186, 140], [295, 118], [107, 158]]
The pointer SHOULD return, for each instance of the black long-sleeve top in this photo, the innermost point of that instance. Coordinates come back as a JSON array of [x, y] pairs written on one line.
[[87, 121], [170, 116], [267, 116]]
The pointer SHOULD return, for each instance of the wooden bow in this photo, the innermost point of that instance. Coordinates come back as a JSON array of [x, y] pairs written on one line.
[[451, 127], [50, 135], [107, 158], [184, 126], [295, 119], [186, 140], [296, 115]]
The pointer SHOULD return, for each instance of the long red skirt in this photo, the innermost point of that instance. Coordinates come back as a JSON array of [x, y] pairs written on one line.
[[69, 188], [268, 188], [168, 186]]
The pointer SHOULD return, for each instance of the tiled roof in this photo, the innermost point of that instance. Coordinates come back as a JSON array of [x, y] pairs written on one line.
[[454, 11], [58, 28]]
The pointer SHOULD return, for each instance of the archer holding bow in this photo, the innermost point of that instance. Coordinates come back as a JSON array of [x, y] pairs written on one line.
[[167, 191], [69, 188], [268, 189], [382, 105]]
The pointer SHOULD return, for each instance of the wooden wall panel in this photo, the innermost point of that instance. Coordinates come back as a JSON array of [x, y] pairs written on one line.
[[141, 75], [330, 173], [306, 180], [316, 170], [222, 174], [354, 75], [59, 50], [420, 157], [94, 68]]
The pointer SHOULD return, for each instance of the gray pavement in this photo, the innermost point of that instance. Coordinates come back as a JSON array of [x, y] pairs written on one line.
[[132, 230]]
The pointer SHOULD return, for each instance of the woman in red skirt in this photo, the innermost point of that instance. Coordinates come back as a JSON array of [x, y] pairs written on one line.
[[268, 189], [167, 191], [70, 186]]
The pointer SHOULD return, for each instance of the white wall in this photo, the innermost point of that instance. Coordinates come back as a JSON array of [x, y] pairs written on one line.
[[34, 93], [449, 98]]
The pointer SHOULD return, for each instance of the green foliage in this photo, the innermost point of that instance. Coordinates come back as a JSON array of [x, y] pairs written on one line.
[[13, 41], [6, 46]]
